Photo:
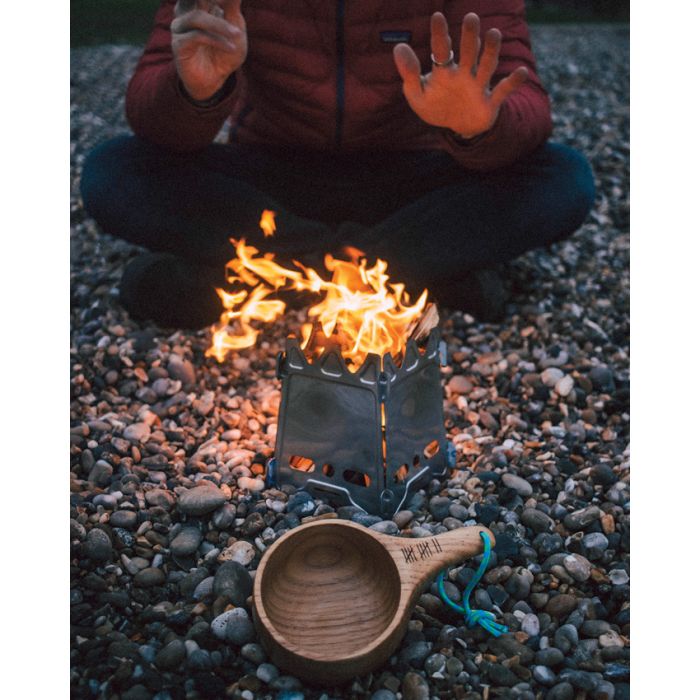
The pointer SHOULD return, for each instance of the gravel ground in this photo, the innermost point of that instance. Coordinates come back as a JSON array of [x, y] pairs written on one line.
[[540, 419]]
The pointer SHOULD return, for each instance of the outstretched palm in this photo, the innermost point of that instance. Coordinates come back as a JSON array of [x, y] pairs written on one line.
[[457, 96]]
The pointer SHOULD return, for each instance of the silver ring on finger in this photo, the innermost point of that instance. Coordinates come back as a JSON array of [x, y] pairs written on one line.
[[443, 64]]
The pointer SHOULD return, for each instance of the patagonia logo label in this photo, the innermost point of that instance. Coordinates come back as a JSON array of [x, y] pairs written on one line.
[[395, 36]]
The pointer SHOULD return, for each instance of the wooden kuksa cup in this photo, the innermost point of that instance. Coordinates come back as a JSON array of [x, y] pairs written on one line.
[[332, 599]]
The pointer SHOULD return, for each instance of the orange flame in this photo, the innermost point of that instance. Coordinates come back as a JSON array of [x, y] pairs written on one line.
[[359, 309], [267, 223]]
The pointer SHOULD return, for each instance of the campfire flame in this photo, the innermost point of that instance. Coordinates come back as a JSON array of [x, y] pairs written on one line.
[[359, 310], [267, 223]]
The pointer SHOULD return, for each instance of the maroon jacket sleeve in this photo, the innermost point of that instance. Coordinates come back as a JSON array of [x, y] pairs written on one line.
[[157, 106], [524, 121]]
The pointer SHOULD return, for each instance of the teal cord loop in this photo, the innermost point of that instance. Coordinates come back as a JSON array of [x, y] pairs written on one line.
[[474, 617]]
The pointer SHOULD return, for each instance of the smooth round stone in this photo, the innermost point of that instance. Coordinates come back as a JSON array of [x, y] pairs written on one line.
[[137, 432], [224, 516], [403, 518], [579, 567], [605, 690], [204, 588], [536, 520], [383, 694], [544, 675], [171, 655], [218, 624], [416, 653], [594, 628], [415, 687], [550, 656], [564, 386], [603, 474], [233, 582], [594, 545], [101, 473], [566, 638], [458, 511], [454, 666], [253, 652], [517, 483], [149, 577], [267, 673], [181, 370], [386, 527], [97, 545], [77, 531], [106, 500], [435, 663], [530, 625], [580, 519], [459, 384], [439, 507], [186, 542], [160, 498], [201, 500], [239, 628], [561, 691], [126, 519], [247, 483], [551, 376], [561, 605]]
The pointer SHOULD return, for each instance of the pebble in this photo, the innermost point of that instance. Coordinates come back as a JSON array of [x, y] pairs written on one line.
[[233, 582], [561, 691], [459, 384], [414, 687], [160, 498], [137, 432], [97, 545], [551, 376], [564, 386], [386, 527], [101, 473], [149, 577], [247, 483], [581, 519], [536, 520], [182, 370], [530, 625], [239, 628], [550, 656], [517, 483], [242, 552], [267, 673], [619, 577], [544, 675], [186, 542], [560, 605], [126, 519], [579, 567], [171, 655], [403, 518], [201, 500], [439, 507]]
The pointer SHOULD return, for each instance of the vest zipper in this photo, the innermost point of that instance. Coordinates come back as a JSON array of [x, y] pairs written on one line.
[[340, 71]]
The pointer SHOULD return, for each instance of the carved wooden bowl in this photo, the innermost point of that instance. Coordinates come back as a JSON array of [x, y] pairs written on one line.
[[332, 599]]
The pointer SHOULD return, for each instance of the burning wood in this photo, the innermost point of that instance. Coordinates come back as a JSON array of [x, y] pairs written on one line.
[[359, 310]]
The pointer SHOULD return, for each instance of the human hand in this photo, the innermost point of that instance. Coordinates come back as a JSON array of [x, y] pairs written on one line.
[[209, 42], [457, 96]]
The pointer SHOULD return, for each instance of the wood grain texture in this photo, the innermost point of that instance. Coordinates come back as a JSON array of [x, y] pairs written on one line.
[[332, 599]]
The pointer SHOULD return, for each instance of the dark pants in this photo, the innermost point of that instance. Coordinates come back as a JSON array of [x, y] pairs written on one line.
[[430, 218]]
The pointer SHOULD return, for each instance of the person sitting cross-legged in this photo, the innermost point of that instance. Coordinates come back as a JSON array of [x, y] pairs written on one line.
[[421, 139]]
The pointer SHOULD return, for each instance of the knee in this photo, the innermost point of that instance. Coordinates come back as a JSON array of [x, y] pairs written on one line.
[[103, 168], [575, 185]]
